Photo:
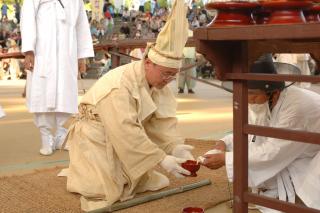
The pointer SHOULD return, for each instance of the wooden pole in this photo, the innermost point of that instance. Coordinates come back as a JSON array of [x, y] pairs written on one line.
[[151, 197], [240, 145]]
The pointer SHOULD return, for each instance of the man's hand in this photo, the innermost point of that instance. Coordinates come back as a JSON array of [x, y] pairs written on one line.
[[220, 145], [183, 151], [29, 60], [214, 161], [82, 65]]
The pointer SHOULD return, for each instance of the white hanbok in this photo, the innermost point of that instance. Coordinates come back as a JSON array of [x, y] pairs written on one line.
[[59, 35], [286, 168]]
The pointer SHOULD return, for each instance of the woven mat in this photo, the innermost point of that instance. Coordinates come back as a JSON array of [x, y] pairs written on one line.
[[43, 191]]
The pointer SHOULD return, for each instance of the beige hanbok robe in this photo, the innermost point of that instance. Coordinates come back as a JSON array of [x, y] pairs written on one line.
[[124, 129]]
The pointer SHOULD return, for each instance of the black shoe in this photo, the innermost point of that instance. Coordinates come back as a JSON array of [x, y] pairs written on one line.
[[190, 91], [181, 90]]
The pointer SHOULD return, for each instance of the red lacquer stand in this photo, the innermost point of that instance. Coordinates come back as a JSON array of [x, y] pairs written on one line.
[[232, 13], [286, 12]]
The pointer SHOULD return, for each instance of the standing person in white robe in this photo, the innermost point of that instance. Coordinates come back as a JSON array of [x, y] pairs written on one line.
[[55, 40], [2, 113], [278, 168], [127, 125], [189, 58]]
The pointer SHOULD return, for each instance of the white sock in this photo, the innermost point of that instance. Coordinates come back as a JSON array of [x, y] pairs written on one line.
[[60, 138], [47, 145]]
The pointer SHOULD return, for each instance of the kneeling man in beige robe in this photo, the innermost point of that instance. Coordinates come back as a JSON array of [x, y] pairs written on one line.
[[127, 125]]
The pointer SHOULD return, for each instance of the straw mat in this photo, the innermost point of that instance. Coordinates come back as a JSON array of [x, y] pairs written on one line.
[[42, 191]]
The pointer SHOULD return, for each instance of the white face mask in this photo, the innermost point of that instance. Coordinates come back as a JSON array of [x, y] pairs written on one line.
[[259, 114]]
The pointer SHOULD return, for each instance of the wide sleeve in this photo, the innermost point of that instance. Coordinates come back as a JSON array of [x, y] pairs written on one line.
[[84, 40], [28, 26], [163, 132], [137, 153], [228, 140]]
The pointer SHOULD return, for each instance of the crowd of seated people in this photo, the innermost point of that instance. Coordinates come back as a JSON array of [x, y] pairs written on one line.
[[136, 23], [10, 42]]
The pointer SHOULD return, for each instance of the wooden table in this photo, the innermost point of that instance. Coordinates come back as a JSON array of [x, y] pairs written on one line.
[[233, 50]]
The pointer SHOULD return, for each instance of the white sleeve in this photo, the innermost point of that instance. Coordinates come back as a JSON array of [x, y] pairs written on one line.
[[28, 26], [228, 140], [84, 40]]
